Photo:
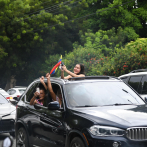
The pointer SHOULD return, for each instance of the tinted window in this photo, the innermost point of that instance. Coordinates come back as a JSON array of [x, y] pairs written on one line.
[[144, 85], [124, 79], [101, 93], [2, 100], [134, 82]]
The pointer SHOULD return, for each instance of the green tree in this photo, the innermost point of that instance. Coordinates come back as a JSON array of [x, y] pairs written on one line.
[[27, 39]]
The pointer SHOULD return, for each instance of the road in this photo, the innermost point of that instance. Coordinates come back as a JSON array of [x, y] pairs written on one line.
[[3, 136]]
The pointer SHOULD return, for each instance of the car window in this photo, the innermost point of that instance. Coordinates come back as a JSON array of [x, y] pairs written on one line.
[[3, 100], [58, 91], [143, 85], [22, 91], [11, 91], [124, 79], [134, 82], [100, 94], [31, 91]]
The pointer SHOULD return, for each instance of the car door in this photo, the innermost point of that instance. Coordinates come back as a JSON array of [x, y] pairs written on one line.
[[32, 117], [52, 125]]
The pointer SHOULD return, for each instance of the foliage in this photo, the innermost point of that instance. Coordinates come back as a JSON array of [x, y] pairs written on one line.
[[132, 57], [106, 41], [27, 38], [33, 34]]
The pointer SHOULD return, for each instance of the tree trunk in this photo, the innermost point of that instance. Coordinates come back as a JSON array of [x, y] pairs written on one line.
[[10, 83]]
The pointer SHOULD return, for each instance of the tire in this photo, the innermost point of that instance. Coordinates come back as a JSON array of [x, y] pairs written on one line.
[[12, 134], [77, 142], [21, 138]]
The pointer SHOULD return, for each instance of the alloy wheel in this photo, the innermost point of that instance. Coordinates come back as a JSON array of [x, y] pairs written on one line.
[[21, 139], [76, 145]]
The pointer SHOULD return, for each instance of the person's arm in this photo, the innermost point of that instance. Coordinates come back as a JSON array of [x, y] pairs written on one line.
[[62, 75], [42, 81], [34, 98], [53, 95], [71, 73]]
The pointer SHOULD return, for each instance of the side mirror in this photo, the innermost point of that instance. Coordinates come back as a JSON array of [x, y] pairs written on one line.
[[145, 99], [54, 105]]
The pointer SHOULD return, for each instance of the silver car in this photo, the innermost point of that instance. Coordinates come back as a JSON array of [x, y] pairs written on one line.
[[7, 116]]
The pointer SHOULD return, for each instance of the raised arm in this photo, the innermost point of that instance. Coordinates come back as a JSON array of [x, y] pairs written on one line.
[[71, 73], [42, 81], [53, 95], [32, 101], [62, 75]]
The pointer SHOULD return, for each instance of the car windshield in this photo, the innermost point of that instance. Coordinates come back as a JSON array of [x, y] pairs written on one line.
[[22, 91], [3, 92], [101, 94], [3, 100]]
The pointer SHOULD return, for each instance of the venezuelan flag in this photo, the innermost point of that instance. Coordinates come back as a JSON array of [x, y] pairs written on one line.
[[56, 66]]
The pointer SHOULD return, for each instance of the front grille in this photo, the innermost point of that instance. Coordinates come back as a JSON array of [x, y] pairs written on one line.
[[137, 134], [6, 125]]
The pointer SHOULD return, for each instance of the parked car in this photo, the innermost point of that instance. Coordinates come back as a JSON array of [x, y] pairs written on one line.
[[17, 91], [137, 79], [99, 111], [7, 116], [5, 94]]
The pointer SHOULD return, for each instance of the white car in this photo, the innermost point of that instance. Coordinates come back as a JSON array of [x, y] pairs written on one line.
[[137, 79], [16, 91], [5, 94], [7, 116]]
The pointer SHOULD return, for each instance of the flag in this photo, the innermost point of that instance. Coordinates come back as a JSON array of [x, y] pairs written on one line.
[[56, 66]]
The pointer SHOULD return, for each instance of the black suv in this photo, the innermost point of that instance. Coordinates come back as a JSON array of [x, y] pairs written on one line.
[[99, 111]]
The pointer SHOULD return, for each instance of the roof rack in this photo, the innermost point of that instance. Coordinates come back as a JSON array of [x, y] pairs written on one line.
[[91, 77], [138, 70]]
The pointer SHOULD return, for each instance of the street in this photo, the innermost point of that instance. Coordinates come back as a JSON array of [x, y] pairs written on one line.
[[3, 136]]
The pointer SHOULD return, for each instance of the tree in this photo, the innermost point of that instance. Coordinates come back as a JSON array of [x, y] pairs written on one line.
[[27, 38]]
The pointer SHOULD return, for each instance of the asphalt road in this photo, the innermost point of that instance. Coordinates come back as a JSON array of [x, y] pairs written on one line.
[[3, 136]]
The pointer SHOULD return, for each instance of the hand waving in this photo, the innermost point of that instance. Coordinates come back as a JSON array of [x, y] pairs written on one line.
[[42, 79], [48, 76]]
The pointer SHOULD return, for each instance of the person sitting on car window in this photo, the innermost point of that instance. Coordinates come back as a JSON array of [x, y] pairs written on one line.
[[39, 97], [77, 72], [55, 97]]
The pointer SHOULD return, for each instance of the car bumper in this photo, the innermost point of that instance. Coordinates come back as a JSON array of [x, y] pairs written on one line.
[[7, 126], [95, 141]]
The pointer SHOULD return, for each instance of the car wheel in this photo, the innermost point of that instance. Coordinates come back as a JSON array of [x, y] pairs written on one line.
[[77, 142], [12, 134], [21, 138]]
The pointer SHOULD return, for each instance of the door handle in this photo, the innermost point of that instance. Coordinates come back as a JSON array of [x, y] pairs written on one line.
[[43, 114]]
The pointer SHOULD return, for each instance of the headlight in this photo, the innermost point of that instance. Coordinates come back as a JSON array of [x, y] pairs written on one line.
[[106, 131]]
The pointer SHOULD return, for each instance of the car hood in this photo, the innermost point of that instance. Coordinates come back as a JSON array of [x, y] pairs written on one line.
[[6, 109], [122, 116]]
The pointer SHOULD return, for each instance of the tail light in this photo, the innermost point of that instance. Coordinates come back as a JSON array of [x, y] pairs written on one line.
[[10, 97]]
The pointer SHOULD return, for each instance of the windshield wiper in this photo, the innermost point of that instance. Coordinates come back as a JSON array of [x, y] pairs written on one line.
[[130, 94], [119, 104], [88, 106]]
